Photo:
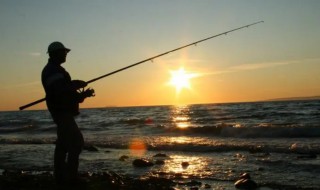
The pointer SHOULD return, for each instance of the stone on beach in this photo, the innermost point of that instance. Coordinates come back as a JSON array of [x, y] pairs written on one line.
[[142, 163], [245, 182], [161, 155], [123, 158]]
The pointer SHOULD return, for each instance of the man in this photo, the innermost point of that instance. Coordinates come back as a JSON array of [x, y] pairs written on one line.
[[63, 98]]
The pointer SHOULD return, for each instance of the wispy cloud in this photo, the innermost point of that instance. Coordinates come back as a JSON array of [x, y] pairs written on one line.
[[257, 66]]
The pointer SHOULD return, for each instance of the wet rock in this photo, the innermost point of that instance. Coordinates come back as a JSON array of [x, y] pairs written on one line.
[[123, 158], [161, 155], [142, 163], [185, 164], [159, 162], [245, 176], [245, 182], [91, 148]]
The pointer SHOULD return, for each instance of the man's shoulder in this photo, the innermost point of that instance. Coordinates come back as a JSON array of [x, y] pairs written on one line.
[[50, 69]]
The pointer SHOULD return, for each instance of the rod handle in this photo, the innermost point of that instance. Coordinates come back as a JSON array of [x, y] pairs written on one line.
[[31, 104]]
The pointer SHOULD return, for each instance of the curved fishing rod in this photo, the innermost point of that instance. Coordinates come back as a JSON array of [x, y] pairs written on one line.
[[149, 59]]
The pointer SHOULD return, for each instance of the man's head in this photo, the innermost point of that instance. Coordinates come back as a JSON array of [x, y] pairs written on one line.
[[58, 52]]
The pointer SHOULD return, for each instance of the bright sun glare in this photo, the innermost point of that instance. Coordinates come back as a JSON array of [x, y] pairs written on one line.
[[181, 79]]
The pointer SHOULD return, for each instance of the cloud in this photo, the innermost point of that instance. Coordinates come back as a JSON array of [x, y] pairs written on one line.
[[257, 66]]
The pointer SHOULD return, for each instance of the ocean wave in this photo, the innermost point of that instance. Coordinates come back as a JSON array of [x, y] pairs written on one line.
[[14, 129], [188, 144], [261, 131]]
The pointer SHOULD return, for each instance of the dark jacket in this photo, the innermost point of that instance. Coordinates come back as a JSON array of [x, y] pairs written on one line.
[[61, 96]]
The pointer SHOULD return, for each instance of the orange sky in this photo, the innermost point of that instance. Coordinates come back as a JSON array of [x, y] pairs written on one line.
[[279, 58]]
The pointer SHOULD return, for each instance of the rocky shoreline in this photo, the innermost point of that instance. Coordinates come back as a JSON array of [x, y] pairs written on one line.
[[21, 180]]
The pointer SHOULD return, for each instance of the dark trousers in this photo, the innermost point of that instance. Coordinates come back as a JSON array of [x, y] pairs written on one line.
[[69, 145]]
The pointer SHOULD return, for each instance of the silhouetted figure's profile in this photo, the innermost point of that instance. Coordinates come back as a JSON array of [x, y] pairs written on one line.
[[63, 98]]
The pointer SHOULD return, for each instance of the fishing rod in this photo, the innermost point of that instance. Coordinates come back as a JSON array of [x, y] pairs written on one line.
[[149, 59]]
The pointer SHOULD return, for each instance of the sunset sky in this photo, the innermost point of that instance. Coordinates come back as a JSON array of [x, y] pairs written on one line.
[[275, 59]]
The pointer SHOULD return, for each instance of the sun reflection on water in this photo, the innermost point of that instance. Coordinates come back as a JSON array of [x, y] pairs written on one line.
[[183, 167], [181, 116]]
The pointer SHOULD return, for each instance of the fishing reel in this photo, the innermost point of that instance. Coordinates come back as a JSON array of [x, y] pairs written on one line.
[[89, 92]]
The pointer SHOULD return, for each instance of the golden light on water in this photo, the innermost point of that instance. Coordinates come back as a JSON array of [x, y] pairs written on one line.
[[137, 147], [180, 116], [186, 166], [181, 122]]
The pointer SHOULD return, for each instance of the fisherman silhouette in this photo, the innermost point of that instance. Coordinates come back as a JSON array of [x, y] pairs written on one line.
[[63, 97]]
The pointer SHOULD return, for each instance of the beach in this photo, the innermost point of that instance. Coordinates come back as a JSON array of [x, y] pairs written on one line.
[[205, 146]]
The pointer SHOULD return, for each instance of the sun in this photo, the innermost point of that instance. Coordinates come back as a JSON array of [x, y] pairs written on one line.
[[180, 79]]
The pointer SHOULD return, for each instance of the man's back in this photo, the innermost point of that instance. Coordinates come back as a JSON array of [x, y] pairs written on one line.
[[60, 96]]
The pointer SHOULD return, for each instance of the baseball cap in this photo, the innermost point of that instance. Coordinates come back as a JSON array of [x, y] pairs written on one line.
[[54, 46]]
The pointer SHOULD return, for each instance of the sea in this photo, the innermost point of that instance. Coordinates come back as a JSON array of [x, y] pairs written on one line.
[[275, 142]]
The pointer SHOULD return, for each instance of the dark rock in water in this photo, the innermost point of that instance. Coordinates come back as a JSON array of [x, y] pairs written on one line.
[[142, 163], [159, 162], [185, 164], [160, 155], [245, 176], [123, 158], [245, 182], [91, 148], [194, 188]]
